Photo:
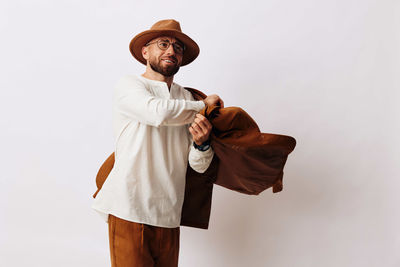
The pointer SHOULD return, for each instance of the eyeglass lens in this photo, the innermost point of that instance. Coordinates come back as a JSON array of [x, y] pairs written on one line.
[[164, 44]]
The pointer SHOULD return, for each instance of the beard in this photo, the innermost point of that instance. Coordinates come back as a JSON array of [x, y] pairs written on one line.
[[166, 71]]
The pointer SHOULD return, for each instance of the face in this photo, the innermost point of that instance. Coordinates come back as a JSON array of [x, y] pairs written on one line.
[[165, 62]]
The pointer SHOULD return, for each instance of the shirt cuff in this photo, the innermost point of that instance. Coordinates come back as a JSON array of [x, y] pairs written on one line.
[[201, 105]]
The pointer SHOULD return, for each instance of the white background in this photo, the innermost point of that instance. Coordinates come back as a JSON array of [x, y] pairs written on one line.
[[325, 72]]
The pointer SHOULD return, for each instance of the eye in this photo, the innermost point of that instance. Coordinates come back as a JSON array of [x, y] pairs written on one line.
[[178, 48], [163, 44]]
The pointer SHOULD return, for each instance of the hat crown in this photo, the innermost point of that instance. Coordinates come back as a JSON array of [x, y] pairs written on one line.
[[167, 24]]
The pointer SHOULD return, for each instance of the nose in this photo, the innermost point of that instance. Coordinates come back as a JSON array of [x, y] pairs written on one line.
[[170, 50]]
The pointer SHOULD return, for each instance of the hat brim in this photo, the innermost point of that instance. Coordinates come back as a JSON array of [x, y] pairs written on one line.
[[191, 52]]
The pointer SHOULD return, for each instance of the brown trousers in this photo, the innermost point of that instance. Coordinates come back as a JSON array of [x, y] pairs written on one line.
[[142, 245]]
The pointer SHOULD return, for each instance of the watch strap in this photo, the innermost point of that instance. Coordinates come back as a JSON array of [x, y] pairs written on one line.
[[203, 147]]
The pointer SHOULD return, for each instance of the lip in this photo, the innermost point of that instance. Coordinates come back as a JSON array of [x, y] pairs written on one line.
[[170, 59]]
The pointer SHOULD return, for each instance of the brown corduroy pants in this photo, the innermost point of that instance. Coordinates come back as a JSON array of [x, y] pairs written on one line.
[[142, 245]]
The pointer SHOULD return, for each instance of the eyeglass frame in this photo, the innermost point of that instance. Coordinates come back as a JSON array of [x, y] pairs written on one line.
[[169, 44]]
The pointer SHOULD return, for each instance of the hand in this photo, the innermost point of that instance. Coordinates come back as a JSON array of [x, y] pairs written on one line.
[[213, 99], [200, 129]]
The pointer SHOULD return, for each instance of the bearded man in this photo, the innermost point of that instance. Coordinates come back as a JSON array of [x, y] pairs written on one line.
[[158, 131]]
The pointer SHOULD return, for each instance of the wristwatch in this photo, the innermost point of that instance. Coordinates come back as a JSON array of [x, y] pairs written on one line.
[[203, 147]]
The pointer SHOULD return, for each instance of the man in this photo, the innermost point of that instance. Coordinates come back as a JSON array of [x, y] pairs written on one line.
[[158, 132]]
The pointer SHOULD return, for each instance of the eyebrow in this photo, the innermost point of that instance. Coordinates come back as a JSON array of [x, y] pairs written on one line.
[[180, 42], [177, 41]]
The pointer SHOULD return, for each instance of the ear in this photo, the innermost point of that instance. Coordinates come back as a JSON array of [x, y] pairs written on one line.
[[145, 52]]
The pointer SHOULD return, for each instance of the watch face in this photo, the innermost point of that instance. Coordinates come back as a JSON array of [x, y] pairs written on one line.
[[204, 148]]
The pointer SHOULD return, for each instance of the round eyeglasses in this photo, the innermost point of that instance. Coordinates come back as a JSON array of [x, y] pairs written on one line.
[[164, 44]]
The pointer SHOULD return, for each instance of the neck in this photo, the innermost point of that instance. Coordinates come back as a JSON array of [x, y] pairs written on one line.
[[152, 75]]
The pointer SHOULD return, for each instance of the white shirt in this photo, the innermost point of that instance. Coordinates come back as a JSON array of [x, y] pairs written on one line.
[[152, 149]]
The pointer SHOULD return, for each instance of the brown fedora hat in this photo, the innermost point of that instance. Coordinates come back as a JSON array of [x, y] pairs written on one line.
[[168, 27]]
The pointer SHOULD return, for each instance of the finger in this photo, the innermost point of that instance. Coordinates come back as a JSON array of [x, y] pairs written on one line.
[[198, 115], [205, 125], [199, 128], [193, 131], [198, 136], [194, 135], [204, 135], [204, 128], [204, 121]]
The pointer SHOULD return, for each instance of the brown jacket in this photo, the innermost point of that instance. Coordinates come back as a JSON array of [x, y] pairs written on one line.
[[245, 160]]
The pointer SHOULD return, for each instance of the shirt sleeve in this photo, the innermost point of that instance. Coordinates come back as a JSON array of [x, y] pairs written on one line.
[[133, 99], [200, 160]]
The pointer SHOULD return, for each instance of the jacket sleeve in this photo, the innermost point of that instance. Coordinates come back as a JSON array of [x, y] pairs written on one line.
[[200, 160], [134, 100]]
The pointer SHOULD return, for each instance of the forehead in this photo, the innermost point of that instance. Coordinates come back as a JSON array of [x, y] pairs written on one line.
[[169, 38]]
